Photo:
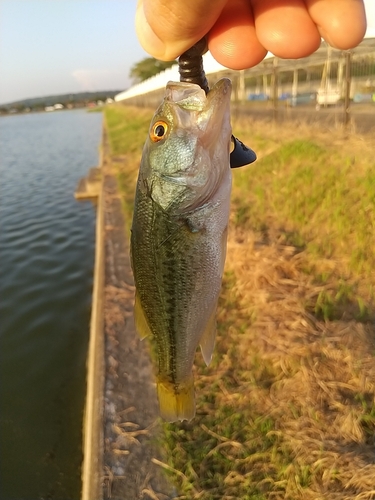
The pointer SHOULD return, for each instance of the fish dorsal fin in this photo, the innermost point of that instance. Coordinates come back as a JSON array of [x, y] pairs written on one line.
[[207, 341], [141, 324]]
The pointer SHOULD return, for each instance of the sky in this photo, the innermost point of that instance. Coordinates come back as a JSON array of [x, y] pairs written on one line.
[[52, 47]]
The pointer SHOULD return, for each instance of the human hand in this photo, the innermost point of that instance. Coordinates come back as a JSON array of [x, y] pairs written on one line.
[[240, 32]]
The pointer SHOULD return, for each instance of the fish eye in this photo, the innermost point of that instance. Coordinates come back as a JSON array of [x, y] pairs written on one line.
[[158, 131]]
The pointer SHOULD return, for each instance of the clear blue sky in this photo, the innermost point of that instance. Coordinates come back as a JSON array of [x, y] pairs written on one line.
[[60, 46]]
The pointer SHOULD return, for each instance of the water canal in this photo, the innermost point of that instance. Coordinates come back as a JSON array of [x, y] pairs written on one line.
[[47, 257]]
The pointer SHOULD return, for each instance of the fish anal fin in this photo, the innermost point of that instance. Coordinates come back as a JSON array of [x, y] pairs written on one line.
[[207, 341], [177, 402], [141, 324]]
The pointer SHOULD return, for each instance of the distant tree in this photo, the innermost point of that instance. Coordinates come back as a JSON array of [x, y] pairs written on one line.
[[147, 68]]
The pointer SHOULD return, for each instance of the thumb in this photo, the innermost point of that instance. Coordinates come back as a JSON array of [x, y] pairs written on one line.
[[167, 28]]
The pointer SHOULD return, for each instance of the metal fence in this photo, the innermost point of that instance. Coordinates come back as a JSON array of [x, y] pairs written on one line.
[[330, 85]]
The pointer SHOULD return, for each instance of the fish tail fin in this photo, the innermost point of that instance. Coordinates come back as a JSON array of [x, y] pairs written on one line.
[[176, 401]]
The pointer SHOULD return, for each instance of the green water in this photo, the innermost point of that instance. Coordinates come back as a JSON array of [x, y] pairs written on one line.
[[47, 257]]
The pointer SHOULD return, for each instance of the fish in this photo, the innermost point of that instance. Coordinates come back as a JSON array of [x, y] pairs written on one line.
[[179, 235]]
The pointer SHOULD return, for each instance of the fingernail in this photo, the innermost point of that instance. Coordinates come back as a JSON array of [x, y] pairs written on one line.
[[148, 39]]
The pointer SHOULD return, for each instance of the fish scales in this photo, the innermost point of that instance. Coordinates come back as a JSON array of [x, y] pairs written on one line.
[[172, 281], [178, 238]]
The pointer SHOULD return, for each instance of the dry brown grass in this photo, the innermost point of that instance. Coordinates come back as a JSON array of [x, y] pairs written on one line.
[[319, 383]]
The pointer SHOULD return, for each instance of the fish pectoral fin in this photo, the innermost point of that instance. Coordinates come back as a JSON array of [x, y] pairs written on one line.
[[141, 324], [193, 227], [207, 341], [176, 401]]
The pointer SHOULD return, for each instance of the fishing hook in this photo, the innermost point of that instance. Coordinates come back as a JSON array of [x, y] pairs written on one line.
[[190, 66]]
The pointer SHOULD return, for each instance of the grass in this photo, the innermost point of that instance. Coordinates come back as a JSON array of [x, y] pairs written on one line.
[[126, 135], [127, 131], [316, 195], [286, 408]]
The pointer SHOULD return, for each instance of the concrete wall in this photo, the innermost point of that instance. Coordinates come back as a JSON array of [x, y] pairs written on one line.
[[92, 467]]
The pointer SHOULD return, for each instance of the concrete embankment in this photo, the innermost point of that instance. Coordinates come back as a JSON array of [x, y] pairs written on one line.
[[121, 459]]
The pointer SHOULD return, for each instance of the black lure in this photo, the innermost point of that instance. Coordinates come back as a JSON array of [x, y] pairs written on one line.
[[190, 66]]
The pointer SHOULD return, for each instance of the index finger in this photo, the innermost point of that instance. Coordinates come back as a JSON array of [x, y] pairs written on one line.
[[167, 29]]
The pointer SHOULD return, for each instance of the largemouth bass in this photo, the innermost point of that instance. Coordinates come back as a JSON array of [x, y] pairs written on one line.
[[179, 235]]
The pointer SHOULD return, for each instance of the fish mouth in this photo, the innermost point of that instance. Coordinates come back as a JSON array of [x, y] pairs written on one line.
[[211, 111], [220, 93], [190, 96], [218, 105]]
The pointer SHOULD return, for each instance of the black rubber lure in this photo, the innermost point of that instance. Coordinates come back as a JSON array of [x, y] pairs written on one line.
[[190, 66]]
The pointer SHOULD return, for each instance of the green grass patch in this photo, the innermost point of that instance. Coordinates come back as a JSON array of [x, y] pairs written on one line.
[[127, 129], [317, 196]]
